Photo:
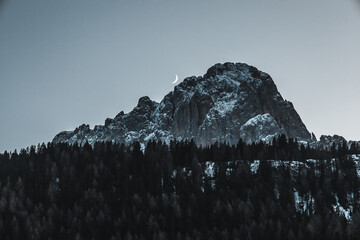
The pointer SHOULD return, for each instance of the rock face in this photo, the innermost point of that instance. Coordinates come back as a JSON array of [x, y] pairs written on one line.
[[327, 141], [257, 127], [229, 102]]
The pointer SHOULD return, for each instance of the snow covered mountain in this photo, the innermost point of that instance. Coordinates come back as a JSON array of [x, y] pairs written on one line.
[[231, 101]]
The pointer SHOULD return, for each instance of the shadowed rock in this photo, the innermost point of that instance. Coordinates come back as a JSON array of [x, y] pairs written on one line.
[[229, 102]]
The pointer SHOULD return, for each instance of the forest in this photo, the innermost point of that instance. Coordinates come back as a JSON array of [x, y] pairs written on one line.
[[282, 190]]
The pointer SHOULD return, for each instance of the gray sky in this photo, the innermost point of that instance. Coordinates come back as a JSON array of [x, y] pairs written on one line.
[[68, 62]]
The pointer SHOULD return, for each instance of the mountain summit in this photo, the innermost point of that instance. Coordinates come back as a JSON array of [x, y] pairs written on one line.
[[231, 101]]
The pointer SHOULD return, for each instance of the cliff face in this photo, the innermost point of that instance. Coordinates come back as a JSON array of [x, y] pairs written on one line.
[[229, 102]]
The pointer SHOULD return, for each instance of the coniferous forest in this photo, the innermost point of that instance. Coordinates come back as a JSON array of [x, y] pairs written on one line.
[[282, 190]]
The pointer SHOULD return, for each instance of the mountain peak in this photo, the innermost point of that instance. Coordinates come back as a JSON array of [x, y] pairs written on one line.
[[229, 101], [243, 70], [145, 101]]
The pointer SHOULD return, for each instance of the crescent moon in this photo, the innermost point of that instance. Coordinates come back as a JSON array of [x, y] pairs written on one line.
[[176, 79]]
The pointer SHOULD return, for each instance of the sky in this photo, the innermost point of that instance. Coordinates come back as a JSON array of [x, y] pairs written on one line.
[[68, 62]]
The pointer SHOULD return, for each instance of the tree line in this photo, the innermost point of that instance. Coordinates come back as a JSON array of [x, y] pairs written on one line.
[[168, 191]]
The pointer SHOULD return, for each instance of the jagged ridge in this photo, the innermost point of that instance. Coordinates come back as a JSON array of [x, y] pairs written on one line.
[[229, 102]]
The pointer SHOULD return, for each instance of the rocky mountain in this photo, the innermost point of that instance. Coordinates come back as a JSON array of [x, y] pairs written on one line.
[[327, 141], [231, 101]]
